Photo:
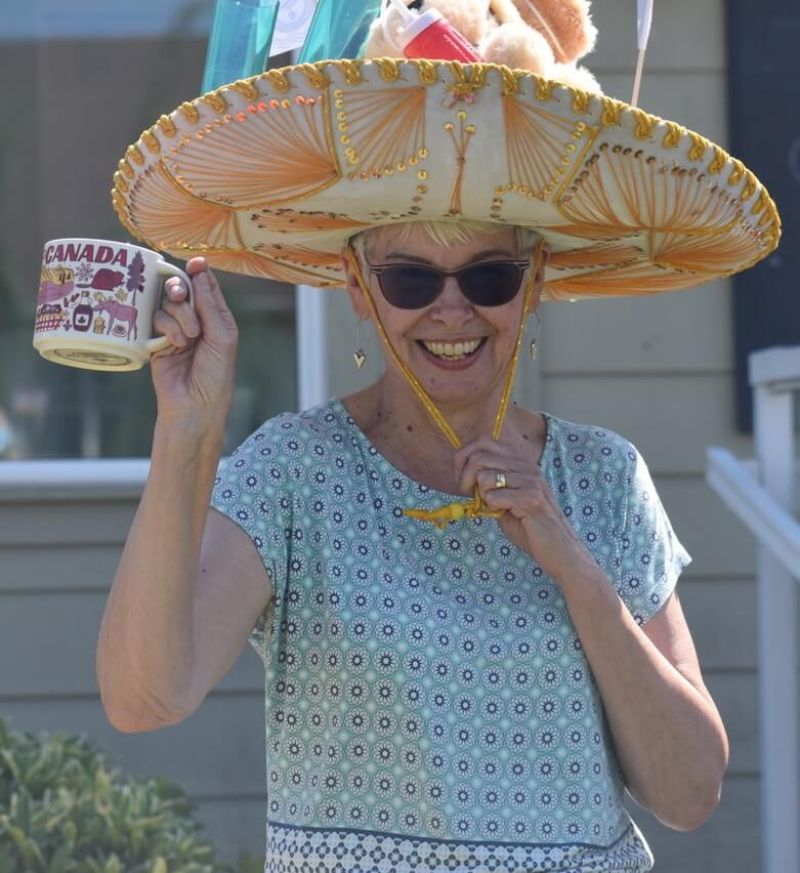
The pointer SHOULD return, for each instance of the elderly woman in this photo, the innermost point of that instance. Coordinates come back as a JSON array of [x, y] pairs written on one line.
[[466, 610], [491, 687]]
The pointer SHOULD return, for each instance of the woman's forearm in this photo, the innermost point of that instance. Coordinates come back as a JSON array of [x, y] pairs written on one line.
[[144, 651], [669, 736]]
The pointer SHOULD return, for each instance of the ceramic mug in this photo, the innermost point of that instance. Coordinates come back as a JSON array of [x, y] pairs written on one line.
[[96, 303]]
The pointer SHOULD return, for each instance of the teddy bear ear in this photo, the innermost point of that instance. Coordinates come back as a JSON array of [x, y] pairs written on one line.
[[566, 24]]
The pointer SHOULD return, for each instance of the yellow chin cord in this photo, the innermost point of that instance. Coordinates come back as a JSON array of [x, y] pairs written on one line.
[[444, 515]]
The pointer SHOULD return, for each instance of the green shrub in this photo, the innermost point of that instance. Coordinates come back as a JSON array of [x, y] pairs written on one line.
[[63, 810]]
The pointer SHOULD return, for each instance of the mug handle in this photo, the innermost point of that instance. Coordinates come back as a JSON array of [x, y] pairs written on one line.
[[160, 343]]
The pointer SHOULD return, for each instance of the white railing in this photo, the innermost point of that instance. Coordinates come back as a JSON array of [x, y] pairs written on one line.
[[762, 496]]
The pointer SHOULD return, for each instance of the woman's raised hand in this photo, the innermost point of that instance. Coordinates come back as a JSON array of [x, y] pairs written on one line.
[[532, 520], [194, 375]]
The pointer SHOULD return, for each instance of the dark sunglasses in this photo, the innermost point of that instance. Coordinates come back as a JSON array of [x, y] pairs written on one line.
[[414, 286]]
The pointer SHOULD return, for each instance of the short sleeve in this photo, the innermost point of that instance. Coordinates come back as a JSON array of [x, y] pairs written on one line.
[[253, 490], [651, 557]]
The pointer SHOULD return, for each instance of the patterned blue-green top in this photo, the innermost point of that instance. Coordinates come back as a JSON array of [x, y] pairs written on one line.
[[428, 703]]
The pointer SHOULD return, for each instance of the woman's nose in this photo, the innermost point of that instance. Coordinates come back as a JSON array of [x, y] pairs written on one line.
[[451, 302]]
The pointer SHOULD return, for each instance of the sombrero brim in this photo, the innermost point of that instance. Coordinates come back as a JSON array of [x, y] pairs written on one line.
[[270, 176]]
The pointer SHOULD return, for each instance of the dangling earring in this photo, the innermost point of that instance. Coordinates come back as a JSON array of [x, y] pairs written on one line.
[[534, 346], [358, 356]]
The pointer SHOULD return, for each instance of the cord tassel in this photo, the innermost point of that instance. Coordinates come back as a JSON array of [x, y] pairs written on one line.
[[450, 512]]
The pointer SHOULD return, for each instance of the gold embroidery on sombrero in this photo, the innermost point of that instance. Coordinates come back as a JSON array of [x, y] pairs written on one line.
[[278, 79], [246, 88], [716, 255], [316, 76], [255, 264], [644, 124], [464, 88], [498, 201], [603, 255], [190, 134], [673, 135], [612, 112], [544, 89], [698, 149], [389, 69], [631, 280], [151, 142], [190, 112], [126, 169], [135, 155], [175, 218], [678, 261], [461, 144], [300, 256], [285, 220], [626, 189], [300, 162], [385, 129], [537, 142], [719, 162], [737, 173], [512, 81], [768, 218], [581, 101], [427, 72], [216, 100], [167, 126], [352, 71]]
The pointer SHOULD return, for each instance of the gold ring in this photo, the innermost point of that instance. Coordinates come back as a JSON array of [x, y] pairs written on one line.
[[500, 479]]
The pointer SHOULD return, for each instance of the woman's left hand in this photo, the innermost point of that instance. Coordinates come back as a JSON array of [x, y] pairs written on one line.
[[532, 520]]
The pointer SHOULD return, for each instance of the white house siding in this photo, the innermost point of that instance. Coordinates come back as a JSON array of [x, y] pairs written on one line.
[[57, 559], [661, 372]]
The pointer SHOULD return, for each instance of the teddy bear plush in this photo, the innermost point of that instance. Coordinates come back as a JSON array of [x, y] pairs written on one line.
[[547, 37]]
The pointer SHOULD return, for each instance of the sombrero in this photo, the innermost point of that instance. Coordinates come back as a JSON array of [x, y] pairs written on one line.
[[271, 175]]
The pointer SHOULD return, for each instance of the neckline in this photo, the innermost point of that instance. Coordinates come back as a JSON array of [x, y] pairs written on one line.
[[544, 461]]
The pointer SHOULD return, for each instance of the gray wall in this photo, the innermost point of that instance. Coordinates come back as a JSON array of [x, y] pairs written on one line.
[[58, 553]]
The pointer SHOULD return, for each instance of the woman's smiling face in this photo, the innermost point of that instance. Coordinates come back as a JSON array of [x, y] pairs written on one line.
[[460, 352]]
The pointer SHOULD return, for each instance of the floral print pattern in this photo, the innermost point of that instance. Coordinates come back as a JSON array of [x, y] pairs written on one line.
[[427, 697]]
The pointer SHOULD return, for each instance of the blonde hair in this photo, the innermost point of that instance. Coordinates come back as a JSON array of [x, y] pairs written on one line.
[[446, 233]]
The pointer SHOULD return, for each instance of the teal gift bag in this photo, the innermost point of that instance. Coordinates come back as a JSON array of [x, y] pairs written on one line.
[[338, 29], [238, 46]]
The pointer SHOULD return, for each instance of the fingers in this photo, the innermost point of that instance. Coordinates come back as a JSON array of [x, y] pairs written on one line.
[[184, 324], [483, 467], [490, 479], [209, 317], [467, 458], [168, 326], [503, 479], [217, 321]]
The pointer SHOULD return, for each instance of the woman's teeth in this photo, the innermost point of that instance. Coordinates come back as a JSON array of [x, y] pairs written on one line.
[[452, 350]]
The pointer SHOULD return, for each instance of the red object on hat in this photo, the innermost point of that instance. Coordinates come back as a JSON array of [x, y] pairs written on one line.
[[431, 36]]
